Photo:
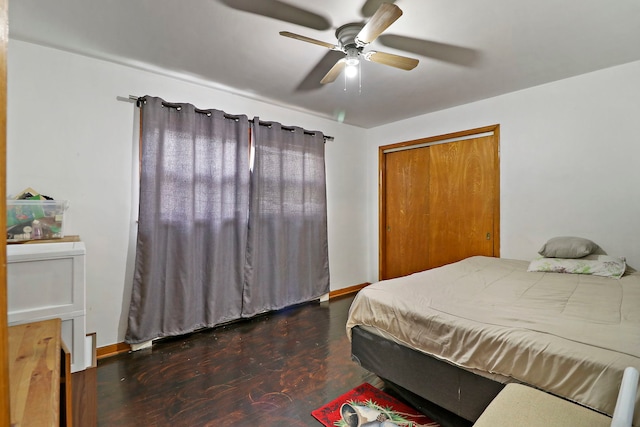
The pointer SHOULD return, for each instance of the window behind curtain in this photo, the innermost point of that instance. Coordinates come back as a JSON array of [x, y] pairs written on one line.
[[287, 249]]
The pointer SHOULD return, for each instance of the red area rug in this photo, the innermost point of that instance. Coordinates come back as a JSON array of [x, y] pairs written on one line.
[[367, 405]]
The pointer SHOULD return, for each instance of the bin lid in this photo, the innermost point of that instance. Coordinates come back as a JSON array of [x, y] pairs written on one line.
[[44, 250]]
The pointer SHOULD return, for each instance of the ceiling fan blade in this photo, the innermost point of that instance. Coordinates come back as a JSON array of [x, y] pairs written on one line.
[[281, 11], [386, 15], [397, 61], [370, 6], [442, 51], [312, 79], [334, 72], [309, 40]]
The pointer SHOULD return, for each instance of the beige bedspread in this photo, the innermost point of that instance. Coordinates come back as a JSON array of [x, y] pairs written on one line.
[[569, 334]]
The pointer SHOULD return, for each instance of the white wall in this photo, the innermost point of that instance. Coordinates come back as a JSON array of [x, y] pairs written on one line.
[[70, 137], [569, 161]]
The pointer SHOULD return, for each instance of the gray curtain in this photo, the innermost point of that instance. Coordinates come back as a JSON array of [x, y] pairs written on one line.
[[287, 250], [192, 230]]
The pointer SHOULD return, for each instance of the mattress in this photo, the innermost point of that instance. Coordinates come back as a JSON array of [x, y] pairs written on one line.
[[569, 334]]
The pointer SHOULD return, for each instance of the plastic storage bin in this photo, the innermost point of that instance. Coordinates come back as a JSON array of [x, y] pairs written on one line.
[[35, 219]]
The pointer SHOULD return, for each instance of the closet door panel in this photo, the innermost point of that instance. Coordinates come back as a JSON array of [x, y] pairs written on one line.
[[406, 235], [461, 197]]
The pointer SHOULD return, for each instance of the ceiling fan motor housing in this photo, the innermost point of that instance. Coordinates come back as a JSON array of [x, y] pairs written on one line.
[[346, 36]]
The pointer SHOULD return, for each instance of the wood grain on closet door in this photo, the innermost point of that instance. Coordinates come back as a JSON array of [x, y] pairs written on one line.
[[406, 198], [462, 196]]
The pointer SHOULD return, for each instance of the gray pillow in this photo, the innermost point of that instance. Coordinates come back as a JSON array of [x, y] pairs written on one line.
[[567, 247]]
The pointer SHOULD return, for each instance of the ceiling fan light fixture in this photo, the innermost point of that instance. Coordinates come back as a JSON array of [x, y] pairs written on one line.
[[352, 62], [351, 69]]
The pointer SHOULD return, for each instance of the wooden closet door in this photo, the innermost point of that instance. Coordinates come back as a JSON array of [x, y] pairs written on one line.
[[439, 201], [461, 196], [407, 212]]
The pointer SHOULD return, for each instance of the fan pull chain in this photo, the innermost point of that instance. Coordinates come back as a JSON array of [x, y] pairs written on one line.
[[359, 77]]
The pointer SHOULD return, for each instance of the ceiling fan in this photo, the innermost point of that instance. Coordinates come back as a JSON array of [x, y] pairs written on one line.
[[353, 38]]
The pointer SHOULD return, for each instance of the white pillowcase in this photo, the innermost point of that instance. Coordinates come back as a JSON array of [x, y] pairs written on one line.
[[597, 265]]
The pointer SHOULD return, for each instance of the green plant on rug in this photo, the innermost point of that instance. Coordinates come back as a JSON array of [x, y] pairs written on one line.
[[367, 406], [356, 413]]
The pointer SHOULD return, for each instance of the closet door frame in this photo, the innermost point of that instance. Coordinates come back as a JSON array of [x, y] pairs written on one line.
[[5, 418], [425, 142]]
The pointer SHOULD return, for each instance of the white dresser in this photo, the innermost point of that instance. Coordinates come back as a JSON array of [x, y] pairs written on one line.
[[46, 281]]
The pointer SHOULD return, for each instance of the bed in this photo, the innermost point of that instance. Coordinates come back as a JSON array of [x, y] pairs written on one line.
[[456, 334]]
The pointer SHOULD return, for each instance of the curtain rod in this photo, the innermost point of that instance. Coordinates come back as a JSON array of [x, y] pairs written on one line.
[[260, 122]]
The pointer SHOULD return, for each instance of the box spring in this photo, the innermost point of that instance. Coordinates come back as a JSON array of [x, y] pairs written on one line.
[[428, 383]]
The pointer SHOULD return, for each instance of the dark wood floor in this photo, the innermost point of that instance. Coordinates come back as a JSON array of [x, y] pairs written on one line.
[[272, 370]]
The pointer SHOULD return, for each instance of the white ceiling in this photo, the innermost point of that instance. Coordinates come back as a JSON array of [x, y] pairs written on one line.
[[468, 49]]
